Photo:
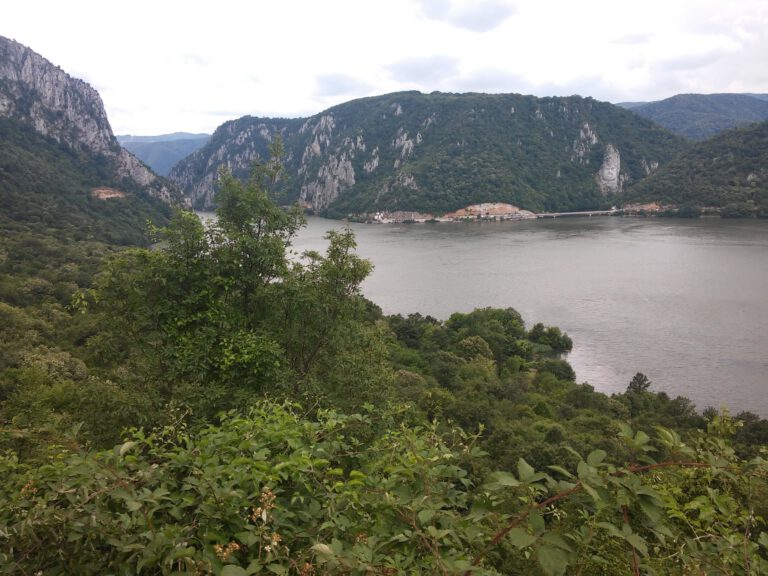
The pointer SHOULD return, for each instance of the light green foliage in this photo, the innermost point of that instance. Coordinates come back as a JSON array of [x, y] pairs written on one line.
[[318, 301], [220, 313], [267, 492], [217, 317], [275, 492]]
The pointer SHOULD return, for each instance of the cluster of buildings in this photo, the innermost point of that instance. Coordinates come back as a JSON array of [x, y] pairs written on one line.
[[484, 211]]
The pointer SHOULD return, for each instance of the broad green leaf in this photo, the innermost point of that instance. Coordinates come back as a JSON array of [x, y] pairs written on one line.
[[625, 430], [435, 533], [651, 510], [536, 521], [561, 470], [552, 560], [637, 542], [520, 538], [591, 491], [503, 479], [612, 529], [524, 470], [323, 551], [425, 516], [596, 457], [556, 540]]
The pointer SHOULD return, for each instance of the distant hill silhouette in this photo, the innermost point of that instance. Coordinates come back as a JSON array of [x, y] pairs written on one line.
[[701, 116], [162, 152]]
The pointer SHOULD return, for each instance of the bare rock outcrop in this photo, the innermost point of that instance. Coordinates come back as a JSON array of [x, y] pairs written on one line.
[[35, 91]]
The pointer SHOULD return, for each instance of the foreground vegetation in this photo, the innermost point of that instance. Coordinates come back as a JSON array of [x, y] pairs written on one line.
[[223, 405]]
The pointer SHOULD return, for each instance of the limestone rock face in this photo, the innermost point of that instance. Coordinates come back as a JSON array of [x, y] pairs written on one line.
[[582, 145], [35, 91], [434, 153], [609, 180], [333, 177]]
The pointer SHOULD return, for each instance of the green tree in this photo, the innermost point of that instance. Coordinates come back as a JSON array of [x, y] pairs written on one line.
[[220, 311], [639, 384]]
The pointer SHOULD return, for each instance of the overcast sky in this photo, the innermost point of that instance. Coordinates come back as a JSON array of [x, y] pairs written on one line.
[[166, 65]]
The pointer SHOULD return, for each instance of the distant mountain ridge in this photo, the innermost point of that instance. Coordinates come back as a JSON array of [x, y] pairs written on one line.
[[123, 138], [162, 152], [701, 116], [440, 152], [38, 93]]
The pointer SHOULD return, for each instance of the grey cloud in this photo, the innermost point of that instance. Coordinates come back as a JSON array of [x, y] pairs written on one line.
[[428, 69], [328, 85], [479, 16], [721, 71]]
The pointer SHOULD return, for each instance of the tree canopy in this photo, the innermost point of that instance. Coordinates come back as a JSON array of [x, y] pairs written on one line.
[[219, 403]]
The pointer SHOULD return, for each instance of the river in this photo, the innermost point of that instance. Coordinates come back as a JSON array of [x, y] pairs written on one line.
[[683, 301]]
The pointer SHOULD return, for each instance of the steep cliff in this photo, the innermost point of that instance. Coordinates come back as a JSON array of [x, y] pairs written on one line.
[[439, 152], [69, 111]]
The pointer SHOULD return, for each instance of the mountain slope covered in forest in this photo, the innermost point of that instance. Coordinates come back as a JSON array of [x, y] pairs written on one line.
[[701, 116], [729, 171], [439, 152]]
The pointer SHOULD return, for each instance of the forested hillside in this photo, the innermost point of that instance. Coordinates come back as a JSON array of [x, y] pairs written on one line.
[[266, 418], [728, 171], [702, 116], [440, 152], [188, 398], [53, 226]]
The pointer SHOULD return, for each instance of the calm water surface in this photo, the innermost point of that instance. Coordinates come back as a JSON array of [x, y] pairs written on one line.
[[684, 302]]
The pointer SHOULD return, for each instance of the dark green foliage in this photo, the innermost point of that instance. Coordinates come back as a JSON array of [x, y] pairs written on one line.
[[46, 189], [729, 171], [219, 316], [550, 336], [455, 149], [701, 116], [639, 384]]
